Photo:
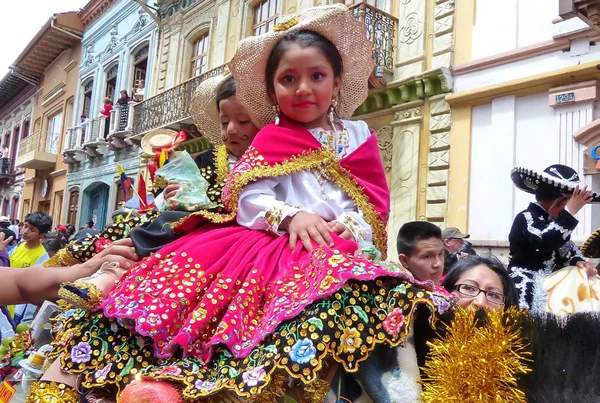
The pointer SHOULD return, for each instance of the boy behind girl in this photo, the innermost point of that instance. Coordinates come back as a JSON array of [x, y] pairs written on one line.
[[421, 250]]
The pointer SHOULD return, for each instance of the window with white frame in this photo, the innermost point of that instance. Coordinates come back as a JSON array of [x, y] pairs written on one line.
[[266, 14]]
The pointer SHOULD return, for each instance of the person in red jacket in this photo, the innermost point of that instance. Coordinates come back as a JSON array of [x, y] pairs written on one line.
[[106, 112]]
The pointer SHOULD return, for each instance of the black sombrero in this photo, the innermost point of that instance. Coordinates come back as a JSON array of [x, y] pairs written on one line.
[[591, 246], [557, 178]]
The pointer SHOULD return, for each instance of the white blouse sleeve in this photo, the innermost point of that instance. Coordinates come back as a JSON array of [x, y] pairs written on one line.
[[259, 207]]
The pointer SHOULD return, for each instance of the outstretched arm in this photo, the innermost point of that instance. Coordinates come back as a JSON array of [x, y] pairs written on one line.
[[38, 283]]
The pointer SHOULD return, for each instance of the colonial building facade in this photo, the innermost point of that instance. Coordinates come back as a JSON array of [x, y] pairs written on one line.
[[413, 45], [52, 58], [527, 97], [17, 97], [119, 46]]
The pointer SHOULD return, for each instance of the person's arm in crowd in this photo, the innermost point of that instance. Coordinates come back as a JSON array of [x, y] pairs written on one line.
[[38, 283]]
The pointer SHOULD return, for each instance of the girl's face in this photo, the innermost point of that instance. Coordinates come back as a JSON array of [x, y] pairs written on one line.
[[237, 130], [478, 278], [304, 86]]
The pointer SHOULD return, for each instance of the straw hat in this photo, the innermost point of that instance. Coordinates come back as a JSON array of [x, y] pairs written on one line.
[[591, 246], [557, 178], [204, 109], [334, 23], [157, 139]]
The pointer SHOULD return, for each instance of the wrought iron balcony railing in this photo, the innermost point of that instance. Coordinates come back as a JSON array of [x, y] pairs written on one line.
[[168, 107], [381, 30]]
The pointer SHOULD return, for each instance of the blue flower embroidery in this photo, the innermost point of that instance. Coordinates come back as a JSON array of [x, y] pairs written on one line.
[[303, 351]]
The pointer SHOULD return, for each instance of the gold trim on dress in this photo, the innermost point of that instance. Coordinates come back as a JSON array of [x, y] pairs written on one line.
[[62, 258], [222, 164], [93, 300], [303, 162], [51, 392]]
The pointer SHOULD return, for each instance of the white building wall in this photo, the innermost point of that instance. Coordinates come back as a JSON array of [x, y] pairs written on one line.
[[526, 132]]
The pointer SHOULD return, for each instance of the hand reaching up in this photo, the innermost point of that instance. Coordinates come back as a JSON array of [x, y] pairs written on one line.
[[580, 198]]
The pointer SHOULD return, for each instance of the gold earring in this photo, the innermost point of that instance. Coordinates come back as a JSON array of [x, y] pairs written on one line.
[[277, 111]]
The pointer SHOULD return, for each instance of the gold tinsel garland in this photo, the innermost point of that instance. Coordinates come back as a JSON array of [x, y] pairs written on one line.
[[472, 363]]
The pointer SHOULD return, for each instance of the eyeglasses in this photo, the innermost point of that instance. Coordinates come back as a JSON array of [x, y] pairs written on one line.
[[471, 291]]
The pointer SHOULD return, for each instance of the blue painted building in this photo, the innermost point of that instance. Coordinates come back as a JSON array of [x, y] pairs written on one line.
[[119, 46]]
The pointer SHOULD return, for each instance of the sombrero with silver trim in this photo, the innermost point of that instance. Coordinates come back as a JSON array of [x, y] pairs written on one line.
[[591, 246], [558, 178], [204, 109], [157, 139], [335, 23]]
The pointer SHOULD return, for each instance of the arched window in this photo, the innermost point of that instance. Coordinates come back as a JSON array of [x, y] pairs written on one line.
[[87, 98], [199, 56], [266, 13], [140, 63], [111, 81]]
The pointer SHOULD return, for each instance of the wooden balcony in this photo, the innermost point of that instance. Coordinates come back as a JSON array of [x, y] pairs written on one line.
[[38, 151]]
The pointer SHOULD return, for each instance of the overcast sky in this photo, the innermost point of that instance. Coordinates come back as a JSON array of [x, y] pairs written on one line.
[[20, 20]]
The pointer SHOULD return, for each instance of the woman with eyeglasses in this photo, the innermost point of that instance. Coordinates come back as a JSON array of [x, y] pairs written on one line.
[[481, 282]]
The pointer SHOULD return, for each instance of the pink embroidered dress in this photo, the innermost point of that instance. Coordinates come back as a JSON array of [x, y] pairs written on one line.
[[230, 284], [229, 305]]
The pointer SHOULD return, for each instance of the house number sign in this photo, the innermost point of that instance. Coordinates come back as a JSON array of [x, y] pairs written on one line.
[[565, 98]]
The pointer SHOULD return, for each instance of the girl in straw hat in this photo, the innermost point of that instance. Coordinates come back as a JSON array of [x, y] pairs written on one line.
[[279, 285]]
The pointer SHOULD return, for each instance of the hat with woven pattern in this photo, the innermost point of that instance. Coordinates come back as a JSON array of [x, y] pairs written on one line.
[[204, 109], [335, 23]]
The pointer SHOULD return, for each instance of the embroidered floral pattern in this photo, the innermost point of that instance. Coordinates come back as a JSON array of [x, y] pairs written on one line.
[[277, 214], [344, 328], [394, 321]]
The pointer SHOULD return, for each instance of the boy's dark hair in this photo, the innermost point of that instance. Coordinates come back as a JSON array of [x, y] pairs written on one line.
[[89, 224], [304, 39], [227, 90], [39, 220], [466, 264], [414, 231]]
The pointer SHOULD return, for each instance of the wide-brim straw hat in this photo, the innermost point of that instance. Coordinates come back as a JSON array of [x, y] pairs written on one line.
[[335, 23], [556, 178], [157, 139], [591, 246], [204, 108]]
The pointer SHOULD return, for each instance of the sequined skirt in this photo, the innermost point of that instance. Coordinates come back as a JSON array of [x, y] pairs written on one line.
[[343, 328]]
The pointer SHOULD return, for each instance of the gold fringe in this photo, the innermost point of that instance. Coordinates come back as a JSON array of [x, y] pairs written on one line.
[[62, 258], [51, 392], [222, 164]]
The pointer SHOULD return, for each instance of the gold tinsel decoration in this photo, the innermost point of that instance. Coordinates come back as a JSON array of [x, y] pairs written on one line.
[[473, 363]]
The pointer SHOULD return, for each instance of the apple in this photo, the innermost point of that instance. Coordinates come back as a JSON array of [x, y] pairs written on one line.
[[3, 351], [6, 341], [22, 327]]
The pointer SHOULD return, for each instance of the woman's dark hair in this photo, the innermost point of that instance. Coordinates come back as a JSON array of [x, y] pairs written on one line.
[[226, 91], [495, 265], [304, 39]]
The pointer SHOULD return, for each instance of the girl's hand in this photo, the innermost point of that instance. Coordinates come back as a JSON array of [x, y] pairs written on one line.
[[341, 230], [171, 189], [306, 226], [580, 198]]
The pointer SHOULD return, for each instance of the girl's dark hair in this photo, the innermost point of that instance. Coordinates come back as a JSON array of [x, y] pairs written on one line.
[[226, 91], [304, 39], [495, 265]]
